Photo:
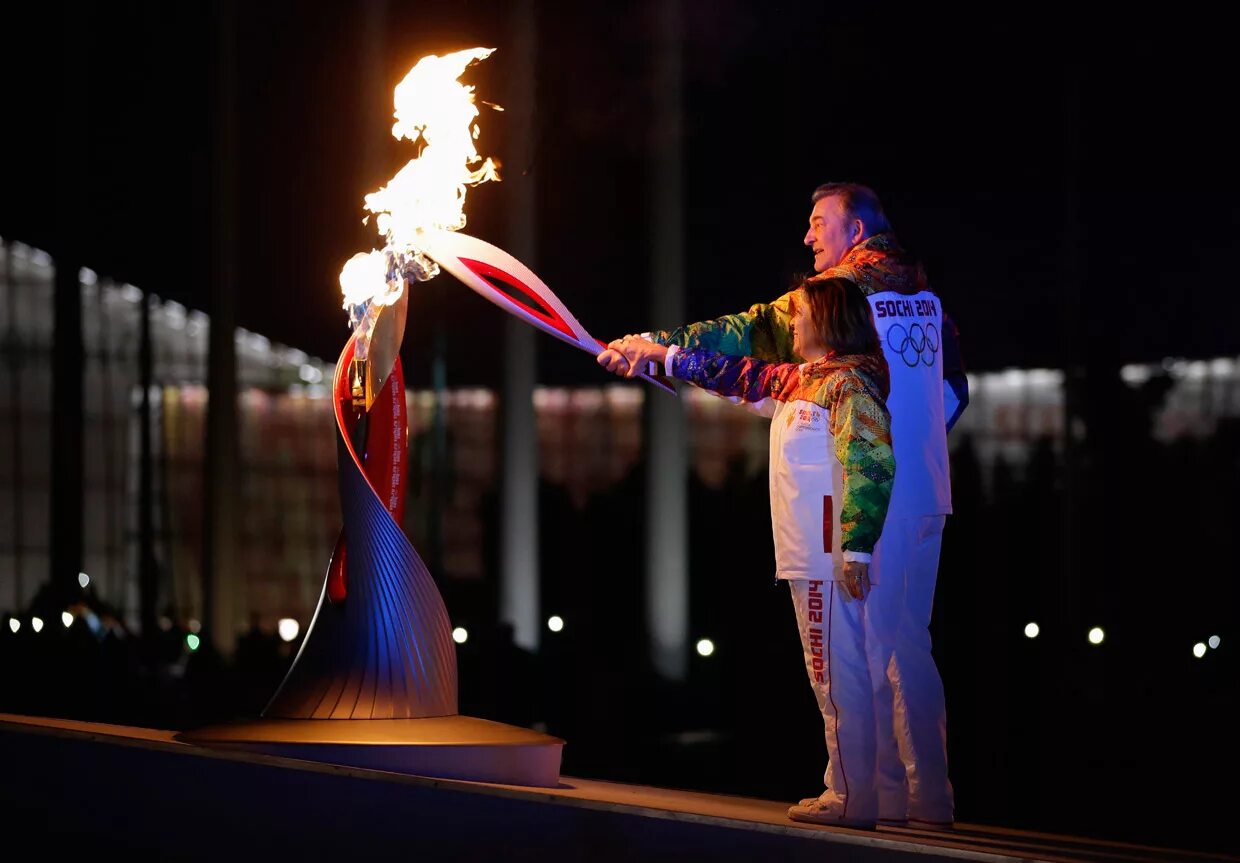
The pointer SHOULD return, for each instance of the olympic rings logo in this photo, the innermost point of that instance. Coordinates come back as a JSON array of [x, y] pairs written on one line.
[[915, 345]]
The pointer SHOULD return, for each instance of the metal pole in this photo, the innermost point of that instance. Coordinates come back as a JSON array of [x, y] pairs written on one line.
[[66, 437], [519, 560], [667, 521], [1075, 364], [222, 604], [148, 565], [13, 356], [113, 495]]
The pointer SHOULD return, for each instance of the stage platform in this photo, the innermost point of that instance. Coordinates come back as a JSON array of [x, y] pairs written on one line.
[[86, 786]]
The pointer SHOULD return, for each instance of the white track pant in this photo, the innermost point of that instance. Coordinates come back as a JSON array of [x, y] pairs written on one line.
[[833, 636], [908, 693]]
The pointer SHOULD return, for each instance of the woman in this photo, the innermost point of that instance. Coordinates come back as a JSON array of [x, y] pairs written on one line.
[[831, 475]]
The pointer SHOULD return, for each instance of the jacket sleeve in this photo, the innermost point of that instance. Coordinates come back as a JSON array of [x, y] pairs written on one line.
[[955, 381], [763, 332], [743, 378], [861, 428]]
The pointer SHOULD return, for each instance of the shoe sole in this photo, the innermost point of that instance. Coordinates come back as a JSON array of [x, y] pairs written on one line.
[[930, 825], [832, 822]]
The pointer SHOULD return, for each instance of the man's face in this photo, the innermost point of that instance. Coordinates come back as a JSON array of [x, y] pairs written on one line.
[[831, 233]]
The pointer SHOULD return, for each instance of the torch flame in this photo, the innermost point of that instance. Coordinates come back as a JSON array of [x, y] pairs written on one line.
[[435, 109], [429, 192], [365, 279], [432, 107]]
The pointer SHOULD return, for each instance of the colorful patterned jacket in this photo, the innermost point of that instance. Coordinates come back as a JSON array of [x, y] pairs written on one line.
[[832, 464], [876, 264]]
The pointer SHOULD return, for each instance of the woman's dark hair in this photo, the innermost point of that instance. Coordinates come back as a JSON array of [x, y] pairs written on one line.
[[842, 316]]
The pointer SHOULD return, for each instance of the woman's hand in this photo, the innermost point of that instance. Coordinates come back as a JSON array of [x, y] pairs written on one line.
[[856, 579]]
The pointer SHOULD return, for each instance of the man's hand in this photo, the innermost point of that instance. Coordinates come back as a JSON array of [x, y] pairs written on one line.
[[856, 579], [614, 361], [638, 353]]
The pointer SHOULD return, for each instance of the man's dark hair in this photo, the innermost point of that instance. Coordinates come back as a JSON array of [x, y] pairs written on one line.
[[859, 202], [842, 316]]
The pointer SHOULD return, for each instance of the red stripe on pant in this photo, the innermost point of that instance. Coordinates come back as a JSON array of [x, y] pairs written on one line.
[[826, 523], [839, 744]]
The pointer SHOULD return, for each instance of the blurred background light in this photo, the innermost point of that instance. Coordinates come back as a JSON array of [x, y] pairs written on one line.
[[1096, 635], [460, 635], [705, 647], [288, 628]]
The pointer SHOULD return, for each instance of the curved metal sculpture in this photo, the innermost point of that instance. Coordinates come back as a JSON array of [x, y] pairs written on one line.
[[380, 645], [374, 684]]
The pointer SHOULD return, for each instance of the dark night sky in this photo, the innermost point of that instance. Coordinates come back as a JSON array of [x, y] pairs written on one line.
[[958, 121]]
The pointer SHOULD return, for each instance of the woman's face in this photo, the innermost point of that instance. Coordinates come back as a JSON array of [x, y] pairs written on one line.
[[805, 341]]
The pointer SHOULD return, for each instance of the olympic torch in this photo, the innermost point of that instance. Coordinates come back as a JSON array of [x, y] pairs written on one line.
[[503, 280]]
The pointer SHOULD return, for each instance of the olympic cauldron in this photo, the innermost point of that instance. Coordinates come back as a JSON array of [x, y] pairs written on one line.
[[375, 682]]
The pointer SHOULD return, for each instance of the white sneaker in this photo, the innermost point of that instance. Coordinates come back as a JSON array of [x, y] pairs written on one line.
[[814, 810]]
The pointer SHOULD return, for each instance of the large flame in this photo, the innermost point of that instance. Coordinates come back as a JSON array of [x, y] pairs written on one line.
[[429, 192], [436, 110]]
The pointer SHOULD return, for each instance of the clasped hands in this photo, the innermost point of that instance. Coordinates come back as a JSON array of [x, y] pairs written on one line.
[[627, 357], [856, 581]]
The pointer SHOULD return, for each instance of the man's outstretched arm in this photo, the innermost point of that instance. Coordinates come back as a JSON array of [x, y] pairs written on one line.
[[763, 332]]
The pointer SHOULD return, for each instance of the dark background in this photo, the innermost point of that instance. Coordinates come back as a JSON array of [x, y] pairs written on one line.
[[1007, 152], [1069, 182]]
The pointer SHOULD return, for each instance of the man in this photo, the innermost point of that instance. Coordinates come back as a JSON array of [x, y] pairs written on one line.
[[850, 237]]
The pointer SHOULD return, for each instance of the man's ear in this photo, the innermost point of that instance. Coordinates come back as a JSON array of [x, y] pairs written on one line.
[[857, 233]]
